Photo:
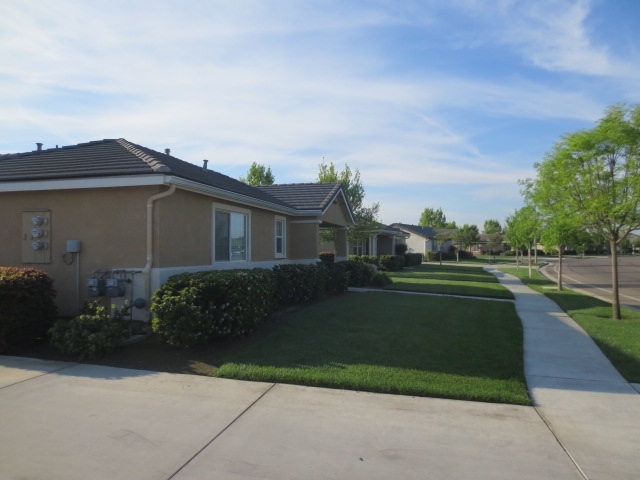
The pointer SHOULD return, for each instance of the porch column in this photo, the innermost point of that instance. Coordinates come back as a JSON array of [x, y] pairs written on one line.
[[341, 244]]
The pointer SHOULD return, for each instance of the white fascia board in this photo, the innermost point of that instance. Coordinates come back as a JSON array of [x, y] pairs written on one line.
[[83, 183]]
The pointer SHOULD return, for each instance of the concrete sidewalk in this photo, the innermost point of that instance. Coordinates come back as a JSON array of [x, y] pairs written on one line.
[[74, 421], [591, 409]]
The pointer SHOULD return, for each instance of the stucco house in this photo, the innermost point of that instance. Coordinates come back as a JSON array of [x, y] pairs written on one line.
[[382, 241], [113, 219], [423, 239]]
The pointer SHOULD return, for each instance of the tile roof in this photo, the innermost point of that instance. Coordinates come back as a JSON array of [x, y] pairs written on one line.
[[426, 232], [304, 196], [118, 157]]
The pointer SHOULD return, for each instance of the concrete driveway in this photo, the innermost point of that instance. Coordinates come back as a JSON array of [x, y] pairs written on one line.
[[67, 421]]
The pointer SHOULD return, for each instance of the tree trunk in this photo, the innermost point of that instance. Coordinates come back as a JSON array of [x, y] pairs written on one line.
[[529, 258], [615, 297], [560, 269]]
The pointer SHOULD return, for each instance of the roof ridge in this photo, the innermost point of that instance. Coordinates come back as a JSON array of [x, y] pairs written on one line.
[[155, 164]]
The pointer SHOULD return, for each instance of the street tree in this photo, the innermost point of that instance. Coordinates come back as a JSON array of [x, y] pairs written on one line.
[[492, 226], [433, 218], [595, 174], [258, 175], [364, 216], [522, 230], [465, 236]]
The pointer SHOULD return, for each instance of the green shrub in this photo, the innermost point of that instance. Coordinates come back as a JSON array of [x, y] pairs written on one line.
[[381, 280], [401, 248], [359, 273], [90, 335], [195, 308], [327, 257], [337, 278], [391, 263], [28, 310], [412, 259], [298, 283]]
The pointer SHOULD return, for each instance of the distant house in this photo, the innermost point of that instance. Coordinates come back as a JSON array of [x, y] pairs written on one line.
[[113, 219], [423, 239], [381, 241], [483, 245]]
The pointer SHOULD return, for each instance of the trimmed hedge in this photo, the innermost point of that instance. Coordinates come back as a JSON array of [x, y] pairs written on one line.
[[412, 259], [298, 283], [28, 310], [195, 308], [389, 263], [360, 274]]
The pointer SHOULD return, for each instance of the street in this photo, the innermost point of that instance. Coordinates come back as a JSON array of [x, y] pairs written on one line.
[[592, 275]]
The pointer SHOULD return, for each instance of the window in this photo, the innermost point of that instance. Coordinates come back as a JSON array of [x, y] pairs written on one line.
[[230, 236], [280, 237], [357, 247]]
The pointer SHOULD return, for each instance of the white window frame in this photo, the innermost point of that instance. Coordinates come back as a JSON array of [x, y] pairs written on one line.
[[283, 253], [220, 207]]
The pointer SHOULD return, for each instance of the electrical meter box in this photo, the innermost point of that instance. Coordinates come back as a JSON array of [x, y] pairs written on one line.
[[115, 287], [36, 236], [96, 287]]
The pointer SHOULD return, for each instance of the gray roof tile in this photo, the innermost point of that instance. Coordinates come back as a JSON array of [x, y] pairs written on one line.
[[304, 196]]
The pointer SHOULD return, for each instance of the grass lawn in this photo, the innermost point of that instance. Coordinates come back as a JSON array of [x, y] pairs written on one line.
[[449, 279], [619, 340], [389, 343]]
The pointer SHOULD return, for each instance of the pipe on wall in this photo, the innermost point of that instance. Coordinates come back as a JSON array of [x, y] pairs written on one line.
[[147, 268]]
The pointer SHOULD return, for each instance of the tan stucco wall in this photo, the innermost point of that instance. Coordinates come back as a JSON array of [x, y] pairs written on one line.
[[110, 224], [304, 239], [336, 215]]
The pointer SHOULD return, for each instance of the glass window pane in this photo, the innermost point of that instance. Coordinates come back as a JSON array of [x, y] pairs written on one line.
[[222, 237], [238, 234]]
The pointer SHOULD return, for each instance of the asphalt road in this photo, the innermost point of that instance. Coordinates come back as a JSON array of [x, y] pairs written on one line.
[[592, 275]]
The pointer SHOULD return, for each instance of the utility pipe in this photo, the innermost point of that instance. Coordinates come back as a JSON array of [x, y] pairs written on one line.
[[147, 268]]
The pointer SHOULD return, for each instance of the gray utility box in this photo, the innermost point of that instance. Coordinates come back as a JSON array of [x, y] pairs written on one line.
[[96, 287], [115, 287]]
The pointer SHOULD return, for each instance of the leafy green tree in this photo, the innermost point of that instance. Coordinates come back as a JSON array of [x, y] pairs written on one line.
[[560, 231], [434, 219], [522, 228], [595, 175], [364, 216], [258, 175], [492, 226], [465, 236]]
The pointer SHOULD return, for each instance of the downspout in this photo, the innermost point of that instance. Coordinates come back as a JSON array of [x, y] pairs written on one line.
[[147, 268]]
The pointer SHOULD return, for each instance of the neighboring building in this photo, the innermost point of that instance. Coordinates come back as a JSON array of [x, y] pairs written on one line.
[[423, 239], [382, 241], [483, 245], [116, 213]]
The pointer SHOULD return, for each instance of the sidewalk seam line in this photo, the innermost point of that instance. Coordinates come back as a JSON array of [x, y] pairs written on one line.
[[217, 435], [573, 460], [38, 376]]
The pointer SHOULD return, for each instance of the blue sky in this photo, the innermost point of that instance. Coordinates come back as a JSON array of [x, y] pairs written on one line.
[[439, 104]]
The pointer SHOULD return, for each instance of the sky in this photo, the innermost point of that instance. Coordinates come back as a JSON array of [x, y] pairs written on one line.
[[437, 103]]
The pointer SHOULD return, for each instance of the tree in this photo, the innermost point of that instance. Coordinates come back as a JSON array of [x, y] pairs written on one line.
[[365, 217], [465, 236], [492, 226], [595, 175], [522, 228], [258, 175], [434, 219], [561, 231]]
